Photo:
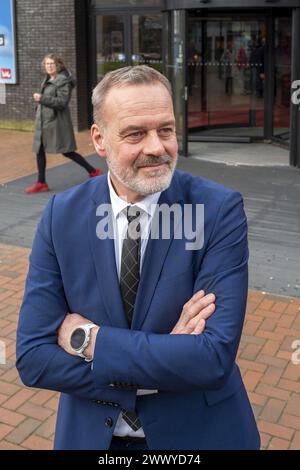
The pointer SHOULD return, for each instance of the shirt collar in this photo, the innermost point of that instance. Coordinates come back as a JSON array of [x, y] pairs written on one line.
[[118, 204]]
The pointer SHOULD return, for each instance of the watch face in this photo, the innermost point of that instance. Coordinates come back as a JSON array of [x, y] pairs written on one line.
[[77, 338]]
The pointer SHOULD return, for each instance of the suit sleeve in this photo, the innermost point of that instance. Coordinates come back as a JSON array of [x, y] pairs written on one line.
[[60, 101], [41, 362], [189, 362]]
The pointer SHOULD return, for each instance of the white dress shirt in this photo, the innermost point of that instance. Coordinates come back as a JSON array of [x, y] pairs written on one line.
[[120, 225]]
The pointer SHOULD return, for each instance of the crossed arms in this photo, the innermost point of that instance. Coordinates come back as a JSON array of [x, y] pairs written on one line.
[[198, 355]]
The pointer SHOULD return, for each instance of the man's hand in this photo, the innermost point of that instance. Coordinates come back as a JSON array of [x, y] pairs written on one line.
[[70, 323], [37, 97], [194, 314]]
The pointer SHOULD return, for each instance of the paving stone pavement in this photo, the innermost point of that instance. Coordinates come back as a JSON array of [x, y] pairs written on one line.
[[27, 416], [18, 160]]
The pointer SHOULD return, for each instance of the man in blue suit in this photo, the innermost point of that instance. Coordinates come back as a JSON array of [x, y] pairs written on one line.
[[135, 318]]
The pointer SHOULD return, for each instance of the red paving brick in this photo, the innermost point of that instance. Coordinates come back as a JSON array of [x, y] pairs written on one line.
[[279, 444], [251, 379], [295, 445], [290, 421], [273, 410], [38, 443], [272, 375], [23, 431], [27, 416]]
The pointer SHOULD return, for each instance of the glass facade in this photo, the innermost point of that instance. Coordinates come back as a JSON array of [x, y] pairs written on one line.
[[231, 69], [282, 86], [125, 39], [147, 40], [110, 43]]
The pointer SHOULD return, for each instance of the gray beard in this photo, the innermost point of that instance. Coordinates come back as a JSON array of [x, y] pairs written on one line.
[[144, 186]]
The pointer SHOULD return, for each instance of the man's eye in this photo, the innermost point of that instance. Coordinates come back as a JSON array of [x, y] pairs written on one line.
[[135, 135], [166, 130]]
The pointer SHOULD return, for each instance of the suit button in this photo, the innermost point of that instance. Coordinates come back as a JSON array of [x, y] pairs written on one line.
[[108, 422]]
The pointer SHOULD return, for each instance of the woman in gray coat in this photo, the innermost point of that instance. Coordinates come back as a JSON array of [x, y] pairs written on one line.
[[53, 126]]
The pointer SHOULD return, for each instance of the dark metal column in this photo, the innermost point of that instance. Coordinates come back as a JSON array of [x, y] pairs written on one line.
[[269, 71], [92, 64], [177, 75], [204, 68], [295, 108], [166, 43], [128, 38]]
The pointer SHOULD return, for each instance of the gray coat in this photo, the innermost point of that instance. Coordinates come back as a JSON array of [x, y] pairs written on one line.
[[53, 125]]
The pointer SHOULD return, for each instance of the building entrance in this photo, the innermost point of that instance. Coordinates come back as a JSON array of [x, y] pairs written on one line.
[[226, 76]]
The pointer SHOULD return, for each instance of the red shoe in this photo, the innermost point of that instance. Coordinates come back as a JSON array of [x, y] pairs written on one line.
[[98, 172], [37, 188]]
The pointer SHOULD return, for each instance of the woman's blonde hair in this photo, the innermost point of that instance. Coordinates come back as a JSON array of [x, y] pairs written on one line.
[[60, 66]]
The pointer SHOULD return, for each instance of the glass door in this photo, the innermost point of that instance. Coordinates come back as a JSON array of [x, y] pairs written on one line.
[[282, 89], [111, 48], [225, 76], [147, 41], [128, 39]]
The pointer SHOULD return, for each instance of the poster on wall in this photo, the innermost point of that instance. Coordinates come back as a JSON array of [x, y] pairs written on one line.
[[7, 42]]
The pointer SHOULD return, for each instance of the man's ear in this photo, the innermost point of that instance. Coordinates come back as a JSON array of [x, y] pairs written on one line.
[[98, 140]]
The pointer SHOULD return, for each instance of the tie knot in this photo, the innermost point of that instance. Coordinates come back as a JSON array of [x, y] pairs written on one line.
[[133, 213]]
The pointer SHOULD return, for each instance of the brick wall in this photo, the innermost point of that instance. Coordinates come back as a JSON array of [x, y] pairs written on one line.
[[42, 27]]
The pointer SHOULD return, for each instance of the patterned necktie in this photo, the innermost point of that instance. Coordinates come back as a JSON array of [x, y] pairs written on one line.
[[129, 281], [130, 262]]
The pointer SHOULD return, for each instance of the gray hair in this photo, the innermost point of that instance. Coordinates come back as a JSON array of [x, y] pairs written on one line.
[[60, 66], [132, 75]]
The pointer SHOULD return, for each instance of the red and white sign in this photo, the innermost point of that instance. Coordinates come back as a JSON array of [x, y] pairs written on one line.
[[6, 74]]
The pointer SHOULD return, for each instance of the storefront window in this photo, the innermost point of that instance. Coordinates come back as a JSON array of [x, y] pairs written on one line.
[[147, 40], [118, 45], [282, 91], [110, 42]]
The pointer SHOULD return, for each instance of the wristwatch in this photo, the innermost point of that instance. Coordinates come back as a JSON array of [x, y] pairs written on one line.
[[80, 339]]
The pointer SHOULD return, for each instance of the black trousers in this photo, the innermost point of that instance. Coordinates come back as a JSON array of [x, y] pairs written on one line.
[[76, 157]]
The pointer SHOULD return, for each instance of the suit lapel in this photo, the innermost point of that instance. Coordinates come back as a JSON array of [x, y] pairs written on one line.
[[103, 254], [155, 255]]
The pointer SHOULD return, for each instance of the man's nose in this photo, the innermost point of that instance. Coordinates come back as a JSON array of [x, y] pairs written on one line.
[[153, 145]]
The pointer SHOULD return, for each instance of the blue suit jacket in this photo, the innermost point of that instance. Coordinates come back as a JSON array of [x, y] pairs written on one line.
[[202, 402]]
